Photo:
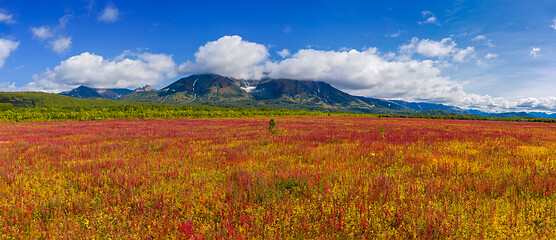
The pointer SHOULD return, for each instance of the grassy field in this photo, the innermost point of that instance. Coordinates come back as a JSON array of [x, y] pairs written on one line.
[[317, 177]]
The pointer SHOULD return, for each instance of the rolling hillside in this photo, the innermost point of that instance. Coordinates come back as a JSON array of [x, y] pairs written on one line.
[[40, 99]]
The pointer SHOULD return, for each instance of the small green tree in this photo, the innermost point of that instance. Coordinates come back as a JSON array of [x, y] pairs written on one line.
[[272, 125]]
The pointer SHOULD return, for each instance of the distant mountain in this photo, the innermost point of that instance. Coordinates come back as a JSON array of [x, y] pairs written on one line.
[[512, 115], [216, 90], [87, 92], [420, 106], [272, 93], [543, 115], [383, 103], [314, 95], [145, 89], [477, 112], [196, 89], [426, 107]]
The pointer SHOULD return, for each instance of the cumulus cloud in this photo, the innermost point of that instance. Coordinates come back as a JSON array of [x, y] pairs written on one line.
[[553, 26], [366, 73], [6, 48], [437, 49], [359, 72], [538, 103], [462, 54], [535, 52], [432, 48], [284, 53], [60, 44], [6, 18], [42, 32], [110, 14], [128, 71], [230, 56], [430, 18]]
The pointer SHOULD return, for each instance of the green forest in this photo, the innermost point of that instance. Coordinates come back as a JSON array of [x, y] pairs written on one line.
[[44, 107]]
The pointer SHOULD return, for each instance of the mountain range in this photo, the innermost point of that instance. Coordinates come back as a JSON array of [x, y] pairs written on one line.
[[213, 89], [87, 92]]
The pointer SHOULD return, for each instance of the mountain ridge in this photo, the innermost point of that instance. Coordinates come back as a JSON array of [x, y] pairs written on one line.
[[87, 92], [214, 89], [271, 93]]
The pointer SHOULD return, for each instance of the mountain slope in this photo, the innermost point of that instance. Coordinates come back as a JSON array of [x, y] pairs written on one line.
[[87, 92], [40, 99], [543, 115], [383, 103], [420, 106], [315, 95], [512, 115], [272, 93], [196, 89]]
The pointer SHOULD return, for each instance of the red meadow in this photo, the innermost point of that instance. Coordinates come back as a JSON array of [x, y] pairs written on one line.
[[314, 177]]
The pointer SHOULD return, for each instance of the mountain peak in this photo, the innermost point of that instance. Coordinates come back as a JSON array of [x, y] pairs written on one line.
[[87, 92], [145, 88]]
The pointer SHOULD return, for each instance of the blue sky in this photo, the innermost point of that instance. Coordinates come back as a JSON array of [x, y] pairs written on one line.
[[489, 55]]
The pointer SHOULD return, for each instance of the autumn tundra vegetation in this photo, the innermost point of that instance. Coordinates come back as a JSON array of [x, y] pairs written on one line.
[[294, 177]]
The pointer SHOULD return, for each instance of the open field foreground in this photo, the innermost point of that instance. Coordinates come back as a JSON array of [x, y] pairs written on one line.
[[318, 177]]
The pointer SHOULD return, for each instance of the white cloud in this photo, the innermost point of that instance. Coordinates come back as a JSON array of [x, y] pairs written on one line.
[[6, 48], [229, 56], [491, 56], [360, 72], [284, 53], [483, 61], [63, 21], [462, 54], [430, 18], [394, 35], [42, 32], [8, 87], [478, 38], [110, 14], [129, 71], [432, 48], [487, 42], [367, 73], [436, 49], [5, 18], [61, 44], [535, 52], [538, 103], [553, 23]]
